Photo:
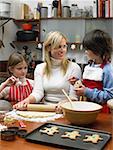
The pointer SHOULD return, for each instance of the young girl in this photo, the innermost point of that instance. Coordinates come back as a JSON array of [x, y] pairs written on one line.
[[98, 75], [17, 87]]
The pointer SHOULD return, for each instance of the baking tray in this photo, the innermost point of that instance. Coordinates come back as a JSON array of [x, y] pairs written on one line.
[[56, 140]]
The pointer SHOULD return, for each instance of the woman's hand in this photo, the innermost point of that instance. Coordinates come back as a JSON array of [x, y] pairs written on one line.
[[72, 80], [58, 106], [21, 105]]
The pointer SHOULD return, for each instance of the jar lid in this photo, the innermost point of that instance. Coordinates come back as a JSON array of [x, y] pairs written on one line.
[[67, 6], [74, 5], [44, 7]]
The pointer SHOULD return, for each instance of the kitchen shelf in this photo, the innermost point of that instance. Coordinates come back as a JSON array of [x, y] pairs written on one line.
[[30, 42], [32, 21], [76, 18]]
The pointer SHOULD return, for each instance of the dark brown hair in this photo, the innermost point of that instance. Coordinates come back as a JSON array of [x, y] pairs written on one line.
[[100, 43]]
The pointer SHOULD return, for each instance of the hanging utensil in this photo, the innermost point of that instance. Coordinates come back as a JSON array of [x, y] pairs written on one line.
[[1, 41]]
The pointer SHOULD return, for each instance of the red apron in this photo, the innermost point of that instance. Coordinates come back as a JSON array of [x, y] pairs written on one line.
[[19, 93], [99, 85]]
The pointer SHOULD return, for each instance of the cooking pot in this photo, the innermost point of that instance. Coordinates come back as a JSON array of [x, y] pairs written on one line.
[[26, 26], [26, 35]]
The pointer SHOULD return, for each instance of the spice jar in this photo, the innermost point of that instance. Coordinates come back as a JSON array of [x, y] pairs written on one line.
[[74, 9], [44, 12], [66, 11]]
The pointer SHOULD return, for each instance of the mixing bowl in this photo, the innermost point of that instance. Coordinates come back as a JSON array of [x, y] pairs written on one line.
[[110, 104], [82, 112]]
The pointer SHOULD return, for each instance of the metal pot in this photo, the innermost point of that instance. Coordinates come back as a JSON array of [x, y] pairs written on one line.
[[26, 35]]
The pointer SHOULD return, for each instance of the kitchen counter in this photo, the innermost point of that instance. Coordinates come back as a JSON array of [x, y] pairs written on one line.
[[103, 122]]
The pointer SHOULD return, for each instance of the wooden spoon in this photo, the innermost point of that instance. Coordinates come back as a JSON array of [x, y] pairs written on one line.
[[68, 98]]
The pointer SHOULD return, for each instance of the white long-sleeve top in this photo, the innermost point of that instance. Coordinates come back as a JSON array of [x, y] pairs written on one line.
[[51, 88]]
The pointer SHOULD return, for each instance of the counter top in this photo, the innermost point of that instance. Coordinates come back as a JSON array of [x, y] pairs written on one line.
[[103, 122]]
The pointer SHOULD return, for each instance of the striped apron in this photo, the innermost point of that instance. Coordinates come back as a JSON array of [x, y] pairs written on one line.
[[20, 92]]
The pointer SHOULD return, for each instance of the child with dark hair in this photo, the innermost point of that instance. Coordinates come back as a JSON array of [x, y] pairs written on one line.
[[17, 87], [98, 74]]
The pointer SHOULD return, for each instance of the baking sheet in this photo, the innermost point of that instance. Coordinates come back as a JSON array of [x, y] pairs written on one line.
[[56, 140]]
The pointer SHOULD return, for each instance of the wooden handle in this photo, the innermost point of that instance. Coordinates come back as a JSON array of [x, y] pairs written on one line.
[[41, 107]]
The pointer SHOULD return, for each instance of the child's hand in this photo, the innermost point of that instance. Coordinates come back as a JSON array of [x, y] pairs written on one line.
[[11, 80], [80, 91], [21, 105], [72, 80]]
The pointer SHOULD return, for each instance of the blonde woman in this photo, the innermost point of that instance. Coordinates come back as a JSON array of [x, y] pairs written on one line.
[[52, 76]]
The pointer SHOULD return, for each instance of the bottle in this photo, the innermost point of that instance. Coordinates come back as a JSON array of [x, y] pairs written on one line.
[[49, 10], [59, 9], [36, 14], [74, 9]]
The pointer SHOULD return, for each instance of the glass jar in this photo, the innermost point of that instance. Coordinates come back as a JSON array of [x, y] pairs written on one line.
[[66, 11], [44, 12]]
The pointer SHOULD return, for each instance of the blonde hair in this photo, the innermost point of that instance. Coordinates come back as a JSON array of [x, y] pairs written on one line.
[[14, 59], [52, 41]]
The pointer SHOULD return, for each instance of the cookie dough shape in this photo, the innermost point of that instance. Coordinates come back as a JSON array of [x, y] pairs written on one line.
[[50, 131], [33, 114], [71, 135], [78, 84], [92, 138]]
